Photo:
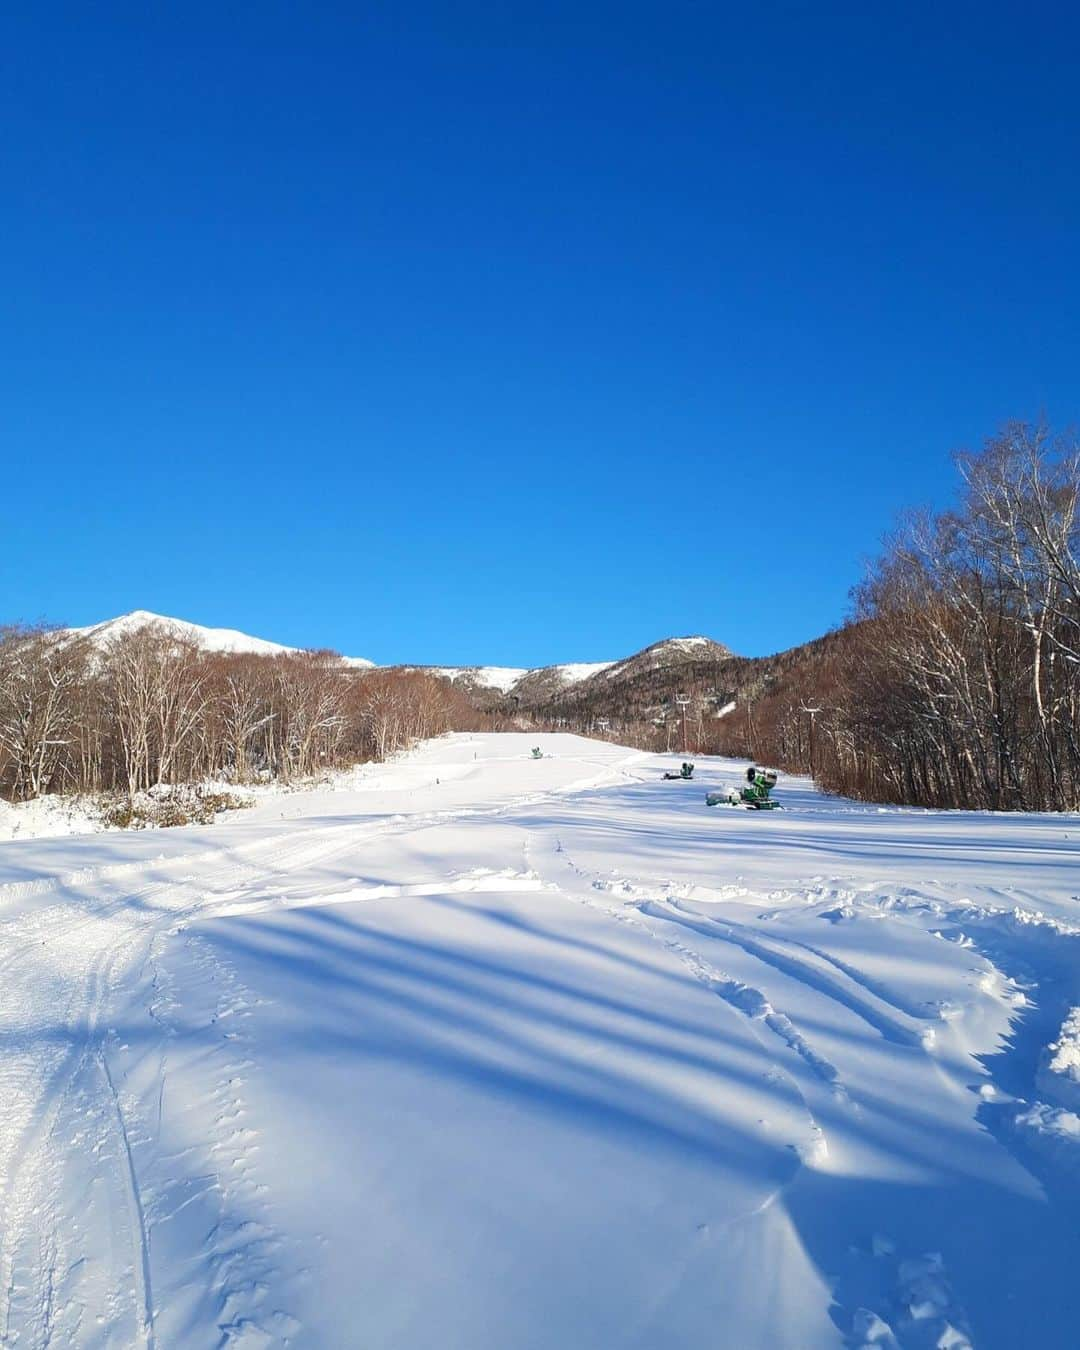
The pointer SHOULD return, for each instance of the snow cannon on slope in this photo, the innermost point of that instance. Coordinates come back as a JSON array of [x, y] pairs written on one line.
[[756, 795], [537, 753], [685, 773]]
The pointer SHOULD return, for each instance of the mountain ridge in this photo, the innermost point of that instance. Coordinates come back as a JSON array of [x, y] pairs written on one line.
[[229, 640], [518, 686], [515, 689]]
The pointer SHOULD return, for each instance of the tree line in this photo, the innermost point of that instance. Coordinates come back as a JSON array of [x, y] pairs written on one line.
[[147, 709], [955, 681]]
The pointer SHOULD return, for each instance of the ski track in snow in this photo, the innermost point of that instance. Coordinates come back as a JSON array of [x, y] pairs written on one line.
[[921, 1307], [106, 978], [750, 1002], [93, 951]]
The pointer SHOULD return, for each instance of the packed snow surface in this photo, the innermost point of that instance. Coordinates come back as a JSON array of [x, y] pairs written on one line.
[[485, 1052]]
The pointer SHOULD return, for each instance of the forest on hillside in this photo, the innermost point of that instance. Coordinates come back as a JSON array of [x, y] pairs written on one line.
[[146, 710], [955, 681]]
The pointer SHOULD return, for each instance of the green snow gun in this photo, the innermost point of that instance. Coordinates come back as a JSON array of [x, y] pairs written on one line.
[[537, 752], [755, 796], [686, 772]]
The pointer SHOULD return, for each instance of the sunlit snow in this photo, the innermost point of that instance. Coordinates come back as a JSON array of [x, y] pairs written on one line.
[[484, 1052]]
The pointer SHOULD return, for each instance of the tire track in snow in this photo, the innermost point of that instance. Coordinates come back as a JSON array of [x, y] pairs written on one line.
[[72, 1002], [748, 1002], [29, 1147], [753, 1003], [87, 950], [809, 969], [138, 1216], [877, 988], [215, 1174]]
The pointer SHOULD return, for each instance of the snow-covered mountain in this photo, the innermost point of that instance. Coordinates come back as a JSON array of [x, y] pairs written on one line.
[[536, 686], [524, 687], [208, 639], [499, 679], [673, 651], [510, 687], [517, 680]]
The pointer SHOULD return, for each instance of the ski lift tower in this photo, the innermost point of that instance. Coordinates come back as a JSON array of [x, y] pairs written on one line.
[[683, 701]]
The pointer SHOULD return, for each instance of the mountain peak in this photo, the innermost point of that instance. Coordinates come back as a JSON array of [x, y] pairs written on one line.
[[207, 639], [670, 651]]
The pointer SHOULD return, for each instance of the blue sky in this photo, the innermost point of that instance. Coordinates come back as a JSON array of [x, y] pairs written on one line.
[[515, 333]]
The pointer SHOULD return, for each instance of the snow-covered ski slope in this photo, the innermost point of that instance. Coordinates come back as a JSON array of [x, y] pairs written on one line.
[[498, 1053]]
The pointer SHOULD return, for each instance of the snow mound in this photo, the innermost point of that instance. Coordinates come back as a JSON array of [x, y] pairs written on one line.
[[1054, 1131], [52, 816], [1058, 1076]]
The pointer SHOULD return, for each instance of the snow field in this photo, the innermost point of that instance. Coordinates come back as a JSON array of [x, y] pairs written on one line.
[[480, 1051]]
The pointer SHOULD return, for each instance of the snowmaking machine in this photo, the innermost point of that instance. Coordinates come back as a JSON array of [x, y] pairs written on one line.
[[756, 795], [537, 753], [684, 774]]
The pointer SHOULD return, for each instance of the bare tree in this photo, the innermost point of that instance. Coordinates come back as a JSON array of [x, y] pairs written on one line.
[[38, 678]]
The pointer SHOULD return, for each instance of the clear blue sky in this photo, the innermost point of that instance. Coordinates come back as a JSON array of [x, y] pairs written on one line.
[[515, 333]]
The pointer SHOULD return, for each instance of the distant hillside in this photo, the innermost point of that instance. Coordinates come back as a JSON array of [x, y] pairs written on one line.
[[672, 655], [681, 691], [735, 704], [537, 687], [504, 689], [510, 689], [206, 639], [732, 701]]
